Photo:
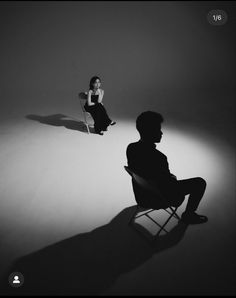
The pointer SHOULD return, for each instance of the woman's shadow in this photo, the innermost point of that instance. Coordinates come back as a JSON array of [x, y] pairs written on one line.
[[89, 263], [60, 120]]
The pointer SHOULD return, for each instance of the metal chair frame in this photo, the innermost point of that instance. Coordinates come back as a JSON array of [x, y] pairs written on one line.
[[83, 98], [172, 211]]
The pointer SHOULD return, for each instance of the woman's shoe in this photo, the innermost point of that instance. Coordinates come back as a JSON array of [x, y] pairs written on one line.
[[100, 133], [112, 123]]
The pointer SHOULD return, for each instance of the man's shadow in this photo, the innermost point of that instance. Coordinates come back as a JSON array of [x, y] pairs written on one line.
[[89, 263], [60, 120]]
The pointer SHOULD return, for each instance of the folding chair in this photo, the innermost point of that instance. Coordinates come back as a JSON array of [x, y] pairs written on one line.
[[83, 98], [161, 200]]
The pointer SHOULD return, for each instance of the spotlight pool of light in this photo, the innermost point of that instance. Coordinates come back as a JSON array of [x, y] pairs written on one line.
[[57, 182]]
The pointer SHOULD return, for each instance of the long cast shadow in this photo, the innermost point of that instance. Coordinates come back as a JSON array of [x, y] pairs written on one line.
[[59, 120], [88, 263]]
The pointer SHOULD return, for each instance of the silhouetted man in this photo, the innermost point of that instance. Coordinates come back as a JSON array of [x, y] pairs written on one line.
[[148, 162]]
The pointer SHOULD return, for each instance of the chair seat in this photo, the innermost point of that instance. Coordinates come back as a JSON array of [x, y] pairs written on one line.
[[150, 198]]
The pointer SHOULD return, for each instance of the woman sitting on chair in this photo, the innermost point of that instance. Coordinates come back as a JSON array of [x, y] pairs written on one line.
[[95, 106]]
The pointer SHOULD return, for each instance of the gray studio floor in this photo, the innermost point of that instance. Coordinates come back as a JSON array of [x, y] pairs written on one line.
[[58, 182]]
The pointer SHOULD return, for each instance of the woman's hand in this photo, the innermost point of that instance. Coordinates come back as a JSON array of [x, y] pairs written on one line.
[[100, 95], [99, 91]]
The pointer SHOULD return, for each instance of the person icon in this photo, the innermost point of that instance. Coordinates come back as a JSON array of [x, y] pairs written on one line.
[[16, 279]]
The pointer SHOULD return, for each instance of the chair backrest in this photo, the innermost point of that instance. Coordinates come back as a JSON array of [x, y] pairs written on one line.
[[83, 97], [145, 183]]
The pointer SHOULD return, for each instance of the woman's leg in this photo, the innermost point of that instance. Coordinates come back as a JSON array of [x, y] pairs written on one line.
[[99, 119], [105, 120], [96, 115]]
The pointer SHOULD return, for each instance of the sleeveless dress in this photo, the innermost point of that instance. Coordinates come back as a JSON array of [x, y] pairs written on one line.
[[99, 114]]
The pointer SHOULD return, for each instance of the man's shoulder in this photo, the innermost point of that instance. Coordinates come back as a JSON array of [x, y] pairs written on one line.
[[161, 153], [133, 145]]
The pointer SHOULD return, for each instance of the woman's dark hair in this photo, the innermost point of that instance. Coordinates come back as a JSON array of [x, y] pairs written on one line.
[[92, 81], [147, 120]]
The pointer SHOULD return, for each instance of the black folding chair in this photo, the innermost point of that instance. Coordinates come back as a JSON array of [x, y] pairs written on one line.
[[83, 98], [161, 200]]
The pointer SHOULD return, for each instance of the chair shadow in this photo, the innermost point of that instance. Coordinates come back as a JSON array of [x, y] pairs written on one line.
[[58, 120], [88, 263]]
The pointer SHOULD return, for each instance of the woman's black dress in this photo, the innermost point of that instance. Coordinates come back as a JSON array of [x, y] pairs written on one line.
[[99, 114]]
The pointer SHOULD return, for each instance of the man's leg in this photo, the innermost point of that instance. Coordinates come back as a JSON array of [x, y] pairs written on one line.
[[195, 187]]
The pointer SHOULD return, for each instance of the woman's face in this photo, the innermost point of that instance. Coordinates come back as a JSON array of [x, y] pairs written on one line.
[[97, 84]]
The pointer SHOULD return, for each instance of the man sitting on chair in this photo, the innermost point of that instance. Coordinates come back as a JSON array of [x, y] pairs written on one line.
[[151, 164]]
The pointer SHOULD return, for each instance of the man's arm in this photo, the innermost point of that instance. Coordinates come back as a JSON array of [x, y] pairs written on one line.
[[153, 168]]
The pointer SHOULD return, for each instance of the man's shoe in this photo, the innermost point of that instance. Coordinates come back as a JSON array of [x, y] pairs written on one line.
[[112, 123], [100, 133], [193, 218]]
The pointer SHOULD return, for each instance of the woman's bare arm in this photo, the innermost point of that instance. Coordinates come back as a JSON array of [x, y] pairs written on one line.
[[90, 103], [100, 96]]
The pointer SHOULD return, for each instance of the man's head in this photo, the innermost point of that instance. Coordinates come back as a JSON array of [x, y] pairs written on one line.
[[148, 125]]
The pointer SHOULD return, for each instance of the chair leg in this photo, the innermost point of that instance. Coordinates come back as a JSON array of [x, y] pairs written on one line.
[[137, 230], [162, 228], [87, 128], [168, 219], [133, 215], [173, 210], [85, 121], [149, 211], [175, 213], [136, 211]]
